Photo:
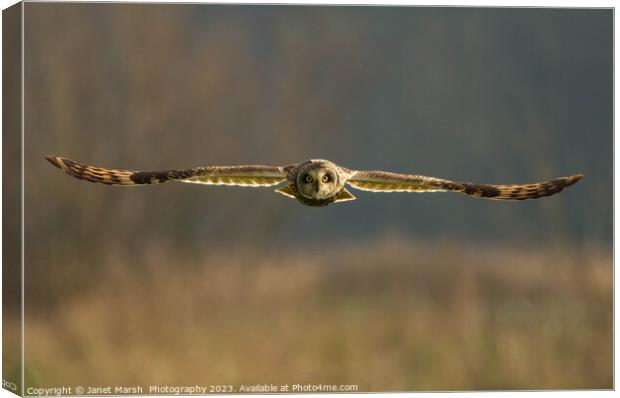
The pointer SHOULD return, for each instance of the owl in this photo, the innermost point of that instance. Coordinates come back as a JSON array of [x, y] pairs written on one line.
[[315, 182]]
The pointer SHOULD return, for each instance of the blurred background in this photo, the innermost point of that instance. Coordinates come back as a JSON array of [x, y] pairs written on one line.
[[184, 284]]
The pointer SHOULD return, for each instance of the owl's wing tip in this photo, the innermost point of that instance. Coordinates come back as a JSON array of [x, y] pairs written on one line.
[[574, 178], [54, 160]]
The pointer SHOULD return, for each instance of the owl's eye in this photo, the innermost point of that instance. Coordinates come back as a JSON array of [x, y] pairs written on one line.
[[308, 178], [325, 178]]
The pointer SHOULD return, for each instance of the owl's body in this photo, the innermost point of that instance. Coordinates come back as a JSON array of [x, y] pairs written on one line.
[[314, 182]]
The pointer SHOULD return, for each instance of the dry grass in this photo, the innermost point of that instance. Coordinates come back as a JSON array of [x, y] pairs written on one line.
[[389, 315]]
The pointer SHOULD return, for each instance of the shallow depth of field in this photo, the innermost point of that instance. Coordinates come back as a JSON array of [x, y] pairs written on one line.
[[181, 284], [388, 315]]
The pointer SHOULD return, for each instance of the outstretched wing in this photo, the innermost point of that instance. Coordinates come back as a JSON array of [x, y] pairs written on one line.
[[252, 176], [381, 181]]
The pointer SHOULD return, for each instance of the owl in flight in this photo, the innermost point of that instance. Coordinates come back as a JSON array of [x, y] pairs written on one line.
[[313, 182]]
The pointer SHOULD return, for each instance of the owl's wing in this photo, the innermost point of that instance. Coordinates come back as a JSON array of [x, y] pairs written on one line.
[[382, 181], [252, 176]]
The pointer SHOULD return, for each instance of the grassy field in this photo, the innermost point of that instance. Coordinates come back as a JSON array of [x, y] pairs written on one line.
[[387, 315]]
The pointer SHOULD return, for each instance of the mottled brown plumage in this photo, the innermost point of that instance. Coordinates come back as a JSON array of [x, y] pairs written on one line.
[[92, 173], [381, 181], [313, 182], [214, 175]]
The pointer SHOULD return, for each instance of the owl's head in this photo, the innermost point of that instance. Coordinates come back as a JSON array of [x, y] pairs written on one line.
[[318, 180]]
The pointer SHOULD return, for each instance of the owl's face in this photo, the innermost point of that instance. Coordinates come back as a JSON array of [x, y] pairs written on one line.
[[318, 180]]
